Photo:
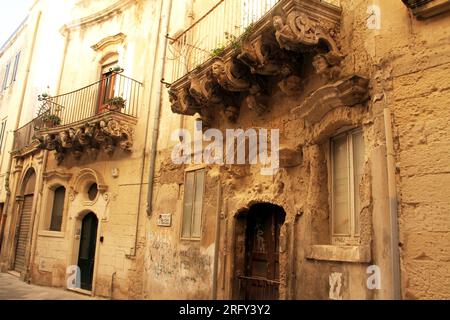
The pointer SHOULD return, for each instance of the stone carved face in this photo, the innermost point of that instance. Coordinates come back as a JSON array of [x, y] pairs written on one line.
[[320, 63], [278, 23], [217, 69]]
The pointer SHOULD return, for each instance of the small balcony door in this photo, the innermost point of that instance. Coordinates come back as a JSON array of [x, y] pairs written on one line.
[[107, 86]]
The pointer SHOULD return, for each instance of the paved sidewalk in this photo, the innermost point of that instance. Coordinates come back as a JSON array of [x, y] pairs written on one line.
[[11, 288]]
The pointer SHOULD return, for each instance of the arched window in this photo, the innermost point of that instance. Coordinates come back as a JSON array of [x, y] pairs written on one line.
[[57, 209]]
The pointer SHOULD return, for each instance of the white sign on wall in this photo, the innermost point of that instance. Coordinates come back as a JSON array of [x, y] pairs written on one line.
[[165, 220]]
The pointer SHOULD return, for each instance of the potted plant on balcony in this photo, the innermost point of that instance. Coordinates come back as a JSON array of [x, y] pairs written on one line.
[[116, 104], [51, 120]]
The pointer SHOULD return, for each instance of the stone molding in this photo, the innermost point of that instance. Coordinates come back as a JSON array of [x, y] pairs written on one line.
[[348, 92], [116, 39], [357, 254], [97, 17]]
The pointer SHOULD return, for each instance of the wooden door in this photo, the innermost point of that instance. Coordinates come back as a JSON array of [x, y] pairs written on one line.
[[107, 87], [86, 255], [261, 280], [23, 233]]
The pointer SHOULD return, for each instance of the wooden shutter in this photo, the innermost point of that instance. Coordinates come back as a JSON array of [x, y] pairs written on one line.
[[24, 230]]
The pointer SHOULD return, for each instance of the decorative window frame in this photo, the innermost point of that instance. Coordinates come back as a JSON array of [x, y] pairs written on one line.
[[53, 180]]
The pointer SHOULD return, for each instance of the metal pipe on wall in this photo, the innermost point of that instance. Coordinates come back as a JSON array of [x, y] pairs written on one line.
[[216, 242], [392, 190], [155, 128]]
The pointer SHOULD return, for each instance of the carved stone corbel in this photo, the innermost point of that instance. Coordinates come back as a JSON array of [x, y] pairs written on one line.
[[231, 75], [182, 102], [202, 89], [262, 55]]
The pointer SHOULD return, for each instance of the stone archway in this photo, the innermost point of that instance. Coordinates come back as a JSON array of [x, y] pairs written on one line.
[[24, 225]]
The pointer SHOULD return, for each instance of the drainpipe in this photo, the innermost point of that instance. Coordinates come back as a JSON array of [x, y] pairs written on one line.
[[133, 251], [19, 114], [392, 190], [155, 132], [216, 243]]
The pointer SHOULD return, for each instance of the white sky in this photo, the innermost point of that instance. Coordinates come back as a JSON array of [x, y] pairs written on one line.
[[12, 13]]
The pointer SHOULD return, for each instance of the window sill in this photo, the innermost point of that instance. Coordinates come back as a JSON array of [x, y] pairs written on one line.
[[358, 254], [51, 234]]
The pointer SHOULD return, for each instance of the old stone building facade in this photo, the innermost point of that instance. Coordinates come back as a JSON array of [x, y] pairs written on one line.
[[352, 95]]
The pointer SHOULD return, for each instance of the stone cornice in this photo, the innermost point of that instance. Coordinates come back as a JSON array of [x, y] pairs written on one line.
[[97, 17]]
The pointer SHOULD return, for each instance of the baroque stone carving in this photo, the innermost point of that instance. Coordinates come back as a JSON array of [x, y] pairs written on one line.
[[230, 75], [299, 33], [107, 133], [262, 55], [348, 92], [274, 52]]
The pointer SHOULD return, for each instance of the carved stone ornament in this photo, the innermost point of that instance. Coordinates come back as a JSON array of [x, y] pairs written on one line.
[[273, 51], [106, 131], [347, 92]]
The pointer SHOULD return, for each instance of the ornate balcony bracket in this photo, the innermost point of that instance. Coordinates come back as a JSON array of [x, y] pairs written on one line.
[[272, 51], [348, 92], [107, 131]]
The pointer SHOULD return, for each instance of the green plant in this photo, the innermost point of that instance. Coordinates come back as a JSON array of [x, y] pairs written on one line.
[[117, 102], [52, 118], [218, 51]]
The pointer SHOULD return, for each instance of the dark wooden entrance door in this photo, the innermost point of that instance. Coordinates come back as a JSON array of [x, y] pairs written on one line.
[[262, 272], [86, 255], [23, 232]]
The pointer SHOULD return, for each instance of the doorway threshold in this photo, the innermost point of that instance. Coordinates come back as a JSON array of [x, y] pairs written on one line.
[[81, 291], [14, 273]]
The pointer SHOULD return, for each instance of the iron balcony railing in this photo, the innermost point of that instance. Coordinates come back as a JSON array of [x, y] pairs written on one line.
[[25, 135], [82, 104], [224, 23], [93, 99]]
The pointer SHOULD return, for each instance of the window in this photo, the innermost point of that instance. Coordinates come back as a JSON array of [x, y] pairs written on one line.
[[57, 209], [192, 204], [16, 65], [5, 79], [92, 192], [2, 133], [347, 164]]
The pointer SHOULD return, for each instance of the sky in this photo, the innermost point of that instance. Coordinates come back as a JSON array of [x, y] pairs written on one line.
[[12, 13]]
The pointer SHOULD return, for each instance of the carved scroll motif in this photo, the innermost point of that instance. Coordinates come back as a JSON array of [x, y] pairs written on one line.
[[262, 55], [88, 139], [230, 75]]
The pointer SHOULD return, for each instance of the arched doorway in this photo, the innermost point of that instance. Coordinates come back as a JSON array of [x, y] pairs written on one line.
[[261, 273], [24, 226], [86, 253]]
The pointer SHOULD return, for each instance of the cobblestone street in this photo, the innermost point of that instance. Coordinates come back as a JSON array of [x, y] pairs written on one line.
[[11, 288]]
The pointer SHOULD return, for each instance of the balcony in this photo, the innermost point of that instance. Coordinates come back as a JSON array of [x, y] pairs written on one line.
[[424, 9], [232, 57], [223, 25], [100, 116]]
